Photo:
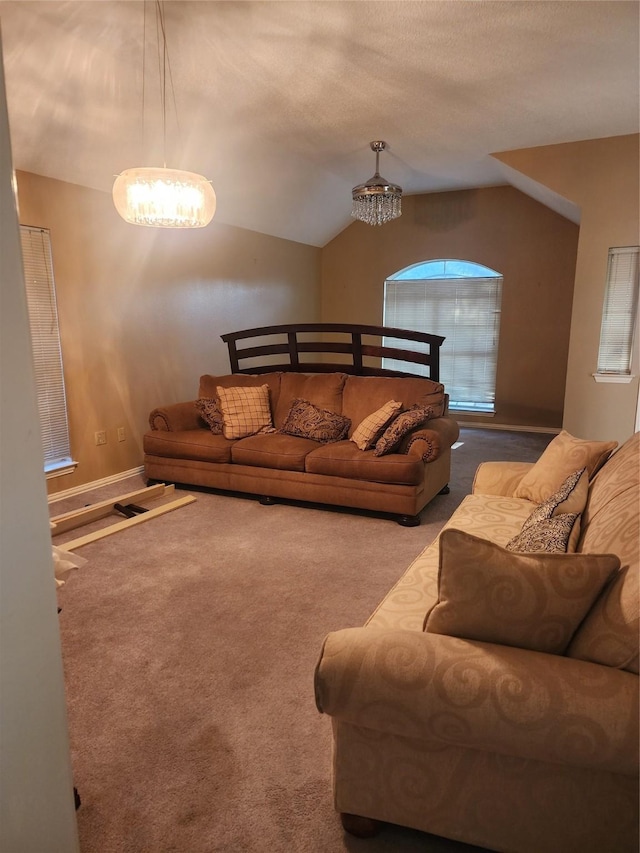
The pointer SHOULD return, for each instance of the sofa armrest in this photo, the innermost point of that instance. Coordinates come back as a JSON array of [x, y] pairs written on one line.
[[429, 440], [499, 478], [176, 417], [440, 689]]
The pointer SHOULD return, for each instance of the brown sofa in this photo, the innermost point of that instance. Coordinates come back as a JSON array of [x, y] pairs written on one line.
[[180, 448], [491, 744]]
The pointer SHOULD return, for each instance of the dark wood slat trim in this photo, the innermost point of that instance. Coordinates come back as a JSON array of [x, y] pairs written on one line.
[[353, 348]]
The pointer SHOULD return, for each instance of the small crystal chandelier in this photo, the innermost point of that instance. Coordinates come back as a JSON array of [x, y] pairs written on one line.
[[161, 197], [377, 201]]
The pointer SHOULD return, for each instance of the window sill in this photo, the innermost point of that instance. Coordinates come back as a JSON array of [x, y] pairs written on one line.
[[623, 378], [61, 470]]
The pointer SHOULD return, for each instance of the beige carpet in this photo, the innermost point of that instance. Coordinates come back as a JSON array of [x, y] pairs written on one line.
[[189, 648]]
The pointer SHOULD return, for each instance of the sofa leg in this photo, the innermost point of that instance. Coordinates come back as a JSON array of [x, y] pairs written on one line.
[[265, 500], [361, 827], [444, 490], [409, 520]]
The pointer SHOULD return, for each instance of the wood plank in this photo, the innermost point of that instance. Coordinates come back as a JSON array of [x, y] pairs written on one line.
[[78, 517], [126, 523]]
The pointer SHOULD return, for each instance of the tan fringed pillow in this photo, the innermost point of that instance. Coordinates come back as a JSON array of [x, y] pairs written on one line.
[[245, 410], [307, 420], [532, 601], [562, 456], [209, 411], [400, 426], [368, 431]]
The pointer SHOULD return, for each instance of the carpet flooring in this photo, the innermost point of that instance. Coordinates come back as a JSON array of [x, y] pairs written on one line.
[[189, 646]]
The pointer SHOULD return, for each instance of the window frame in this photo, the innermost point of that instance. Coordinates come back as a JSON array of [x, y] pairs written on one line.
[[619, 324], [452, 273], [47, 350]]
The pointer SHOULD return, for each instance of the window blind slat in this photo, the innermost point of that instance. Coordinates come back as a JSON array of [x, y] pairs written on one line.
[[619, 311], [467, 312], [45, 338]]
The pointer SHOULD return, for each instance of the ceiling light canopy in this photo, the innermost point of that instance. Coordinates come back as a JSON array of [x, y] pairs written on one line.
[[377, 201], [161, 197]]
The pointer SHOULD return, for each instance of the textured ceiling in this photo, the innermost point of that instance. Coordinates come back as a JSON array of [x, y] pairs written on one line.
[[277, 101]]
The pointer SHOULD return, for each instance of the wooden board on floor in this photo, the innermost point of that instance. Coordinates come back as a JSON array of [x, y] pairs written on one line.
[[126, 523], [77, 517]]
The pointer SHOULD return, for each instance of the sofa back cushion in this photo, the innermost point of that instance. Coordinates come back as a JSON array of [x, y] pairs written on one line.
[[611, 524], [324, 390], [363, 395], [208, 384]]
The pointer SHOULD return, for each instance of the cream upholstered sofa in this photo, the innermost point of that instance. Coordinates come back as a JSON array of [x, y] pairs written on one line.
[[181, 448], [492, 744]]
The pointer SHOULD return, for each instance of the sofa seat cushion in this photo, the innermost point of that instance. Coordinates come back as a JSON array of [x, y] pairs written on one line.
[[273, 450], [199, 444], [344, 459]]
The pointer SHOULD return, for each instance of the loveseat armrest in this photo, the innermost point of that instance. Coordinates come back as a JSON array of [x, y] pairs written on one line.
[[449, 691], [499, 478], [176, 417], [431, 439]]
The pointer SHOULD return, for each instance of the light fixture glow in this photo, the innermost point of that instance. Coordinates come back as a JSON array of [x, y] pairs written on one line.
[[164, 198], [160, 197], [377, 201]]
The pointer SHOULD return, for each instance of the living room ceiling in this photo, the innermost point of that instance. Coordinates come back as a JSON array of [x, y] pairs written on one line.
[[277, 101]]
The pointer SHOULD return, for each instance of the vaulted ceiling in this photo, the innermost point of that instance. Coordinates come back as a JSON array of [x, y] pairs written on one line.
[[277, 101]]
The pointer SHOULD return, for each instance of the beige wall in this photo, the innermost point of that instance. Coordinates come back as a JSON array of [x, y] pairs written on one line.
[[142, 310], [601, 176], [534, 249]]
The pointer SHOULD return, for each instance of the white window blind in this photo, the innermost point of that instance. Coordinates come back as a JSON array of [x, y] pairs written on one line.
[[47, 355], [619, 311], [466, 311]]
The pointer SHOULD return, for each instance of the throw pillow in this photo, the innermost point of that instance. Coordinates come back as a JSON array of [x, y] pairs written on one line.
[[368, 431], [552, 535], [210, 413], [532, 601], [562, 456], [308, 421], [400, 426], [554, 526], [245, 410]]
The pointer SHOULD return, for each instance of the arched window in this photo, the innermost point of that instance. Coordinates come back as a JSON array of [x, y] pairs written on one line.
[[461, 301]]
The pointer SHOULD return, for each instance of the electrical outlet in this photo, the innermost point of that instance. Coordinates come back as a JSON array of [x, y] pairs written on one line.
[[121, 435], [101, 437]]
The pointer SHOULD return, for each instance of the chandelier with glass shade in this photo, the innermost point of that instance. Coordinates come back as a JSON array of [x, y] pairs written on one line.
[[377, 201], [156, 196]]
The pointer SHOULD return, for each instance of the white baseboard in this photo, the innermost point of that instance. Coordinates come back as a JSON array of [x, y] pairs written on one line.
[[509, 427], [96, 484]]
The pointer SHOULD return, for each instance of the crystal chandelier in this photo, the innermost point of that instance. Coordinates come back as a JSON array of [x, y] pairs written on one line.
[[161, 197], [377, 201]]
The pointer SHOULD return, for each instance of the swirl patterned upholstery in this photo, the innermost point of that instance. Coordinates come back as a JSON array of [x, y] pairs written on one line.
[[497, 746]]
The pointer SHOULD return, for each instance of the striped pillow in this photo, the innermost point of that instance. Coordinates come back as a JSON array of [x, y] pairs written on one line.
[[368, 431], [245, 410]]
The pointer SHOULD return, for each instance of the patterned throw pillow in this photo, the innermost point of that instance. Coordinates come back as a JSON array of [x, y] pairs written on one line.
[[210, 413], [532, 601], [552, 535], [562, 456], [554, 526], [308, 421], [400, 426], [368, 431], [245, 410]]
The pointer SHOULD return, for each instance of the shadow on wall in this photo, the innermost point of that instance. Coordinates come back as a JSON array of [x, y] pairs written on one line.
[[445, 211]]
